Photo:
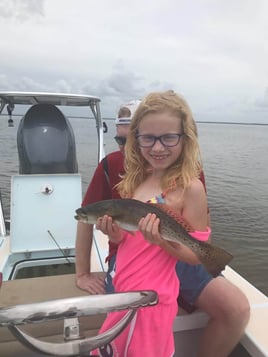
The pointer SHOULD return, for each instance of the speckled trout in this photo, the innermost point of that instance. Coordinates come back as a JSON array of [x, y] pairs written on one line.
[[128, 212]]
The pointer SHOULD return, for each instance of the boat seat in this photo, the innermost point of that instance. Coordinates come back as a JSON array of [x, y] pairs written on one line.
[[46, 143]]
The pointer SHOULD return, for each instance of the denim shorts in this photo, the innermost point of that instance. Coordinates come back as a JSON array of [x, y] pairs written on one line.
[[193, 279], [109, 275]]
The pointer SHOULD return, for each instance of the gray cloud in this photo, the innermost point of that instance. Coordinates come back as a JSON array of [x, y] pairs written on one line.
[[22, 10], [213, 53]]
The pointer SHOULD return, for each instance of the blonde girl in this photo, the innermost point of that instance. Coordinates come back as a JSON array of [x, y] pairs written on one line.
[[162, 162]]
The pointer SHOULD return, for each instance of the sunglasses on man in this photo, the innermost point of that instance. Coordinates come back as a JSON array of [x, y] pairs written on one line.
[[121, 140]]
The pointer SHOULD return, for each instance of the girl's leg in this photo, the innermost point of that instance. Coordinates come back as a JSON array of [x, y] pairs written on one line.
[[229, 312]]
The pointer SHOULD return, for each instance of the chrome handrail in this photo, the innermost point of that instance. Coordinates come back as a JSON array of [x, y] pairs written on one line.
[[75, 307], [71, 308]]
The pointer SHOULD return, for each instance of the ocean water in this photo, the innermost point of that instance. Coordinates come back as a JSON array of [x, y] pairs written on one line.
[[236, 169]]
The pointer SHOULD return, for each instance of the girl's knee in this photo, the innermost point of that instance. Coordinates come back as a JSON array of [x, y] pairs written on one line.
[[244, 310], [237, 309], [224, 301]]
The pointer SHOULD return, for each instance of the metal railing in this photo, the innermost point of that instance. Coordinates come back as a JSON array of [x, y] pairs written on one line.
[[2, 219]]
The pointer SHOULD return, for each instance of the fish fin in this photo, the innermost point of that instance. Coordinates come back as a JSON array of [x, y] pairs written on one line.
[[177, 217]]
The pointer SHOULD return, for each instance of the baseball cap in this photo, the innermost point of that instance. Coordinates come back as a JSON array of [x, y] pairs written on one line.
[[132, 106]]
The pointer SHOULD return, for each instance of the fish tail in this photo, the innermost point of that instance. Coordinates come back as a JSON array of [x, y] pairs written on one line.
[[215, 259]]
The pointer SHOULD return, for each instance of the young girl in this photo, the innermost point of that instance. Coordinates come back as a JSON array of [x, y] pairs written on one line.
[[162, 161]]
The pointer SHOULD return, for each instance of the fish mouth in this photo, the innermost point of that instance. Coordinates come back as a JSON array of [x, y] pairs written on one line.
[[80, 210], [80, 216]]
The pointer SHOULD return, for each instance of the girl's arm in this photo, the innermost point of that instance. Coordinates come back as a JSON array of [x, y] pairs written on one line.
[[194, 208], [194, 211], [149, 226]]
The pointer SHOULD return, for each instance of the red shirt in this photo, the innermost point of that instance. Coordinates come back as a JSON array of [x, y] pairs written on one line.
[[102, 185]]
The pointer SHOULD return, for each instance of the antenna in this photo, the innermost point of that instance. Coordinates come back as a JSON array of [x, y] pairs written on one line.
[[61, 250]]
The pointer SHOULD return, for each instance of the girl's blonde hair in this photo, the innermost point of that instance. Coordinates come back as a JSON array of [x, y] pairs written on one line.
[[188, 164]]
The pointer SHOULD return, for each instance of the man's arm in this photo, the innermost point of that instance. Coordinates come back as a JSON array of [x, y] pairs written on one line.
[[93, 282], [100, 188]]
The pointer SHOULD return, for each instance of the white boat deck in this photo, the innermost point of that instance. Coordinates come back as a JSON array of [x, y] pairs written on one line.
[[255, 338]]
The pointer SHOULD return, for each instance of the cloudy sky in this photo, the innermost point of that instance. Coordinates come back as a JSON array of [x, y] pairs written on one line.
[[213, 52]]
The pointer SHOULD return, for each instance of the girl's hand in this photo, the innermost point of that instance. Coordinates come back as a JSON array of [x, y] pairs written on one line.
[[106, 225], [149, 227]]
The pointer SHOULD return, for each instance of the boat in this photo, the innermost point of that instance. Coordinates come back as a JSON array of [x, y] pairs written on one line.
[[42, 312]]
